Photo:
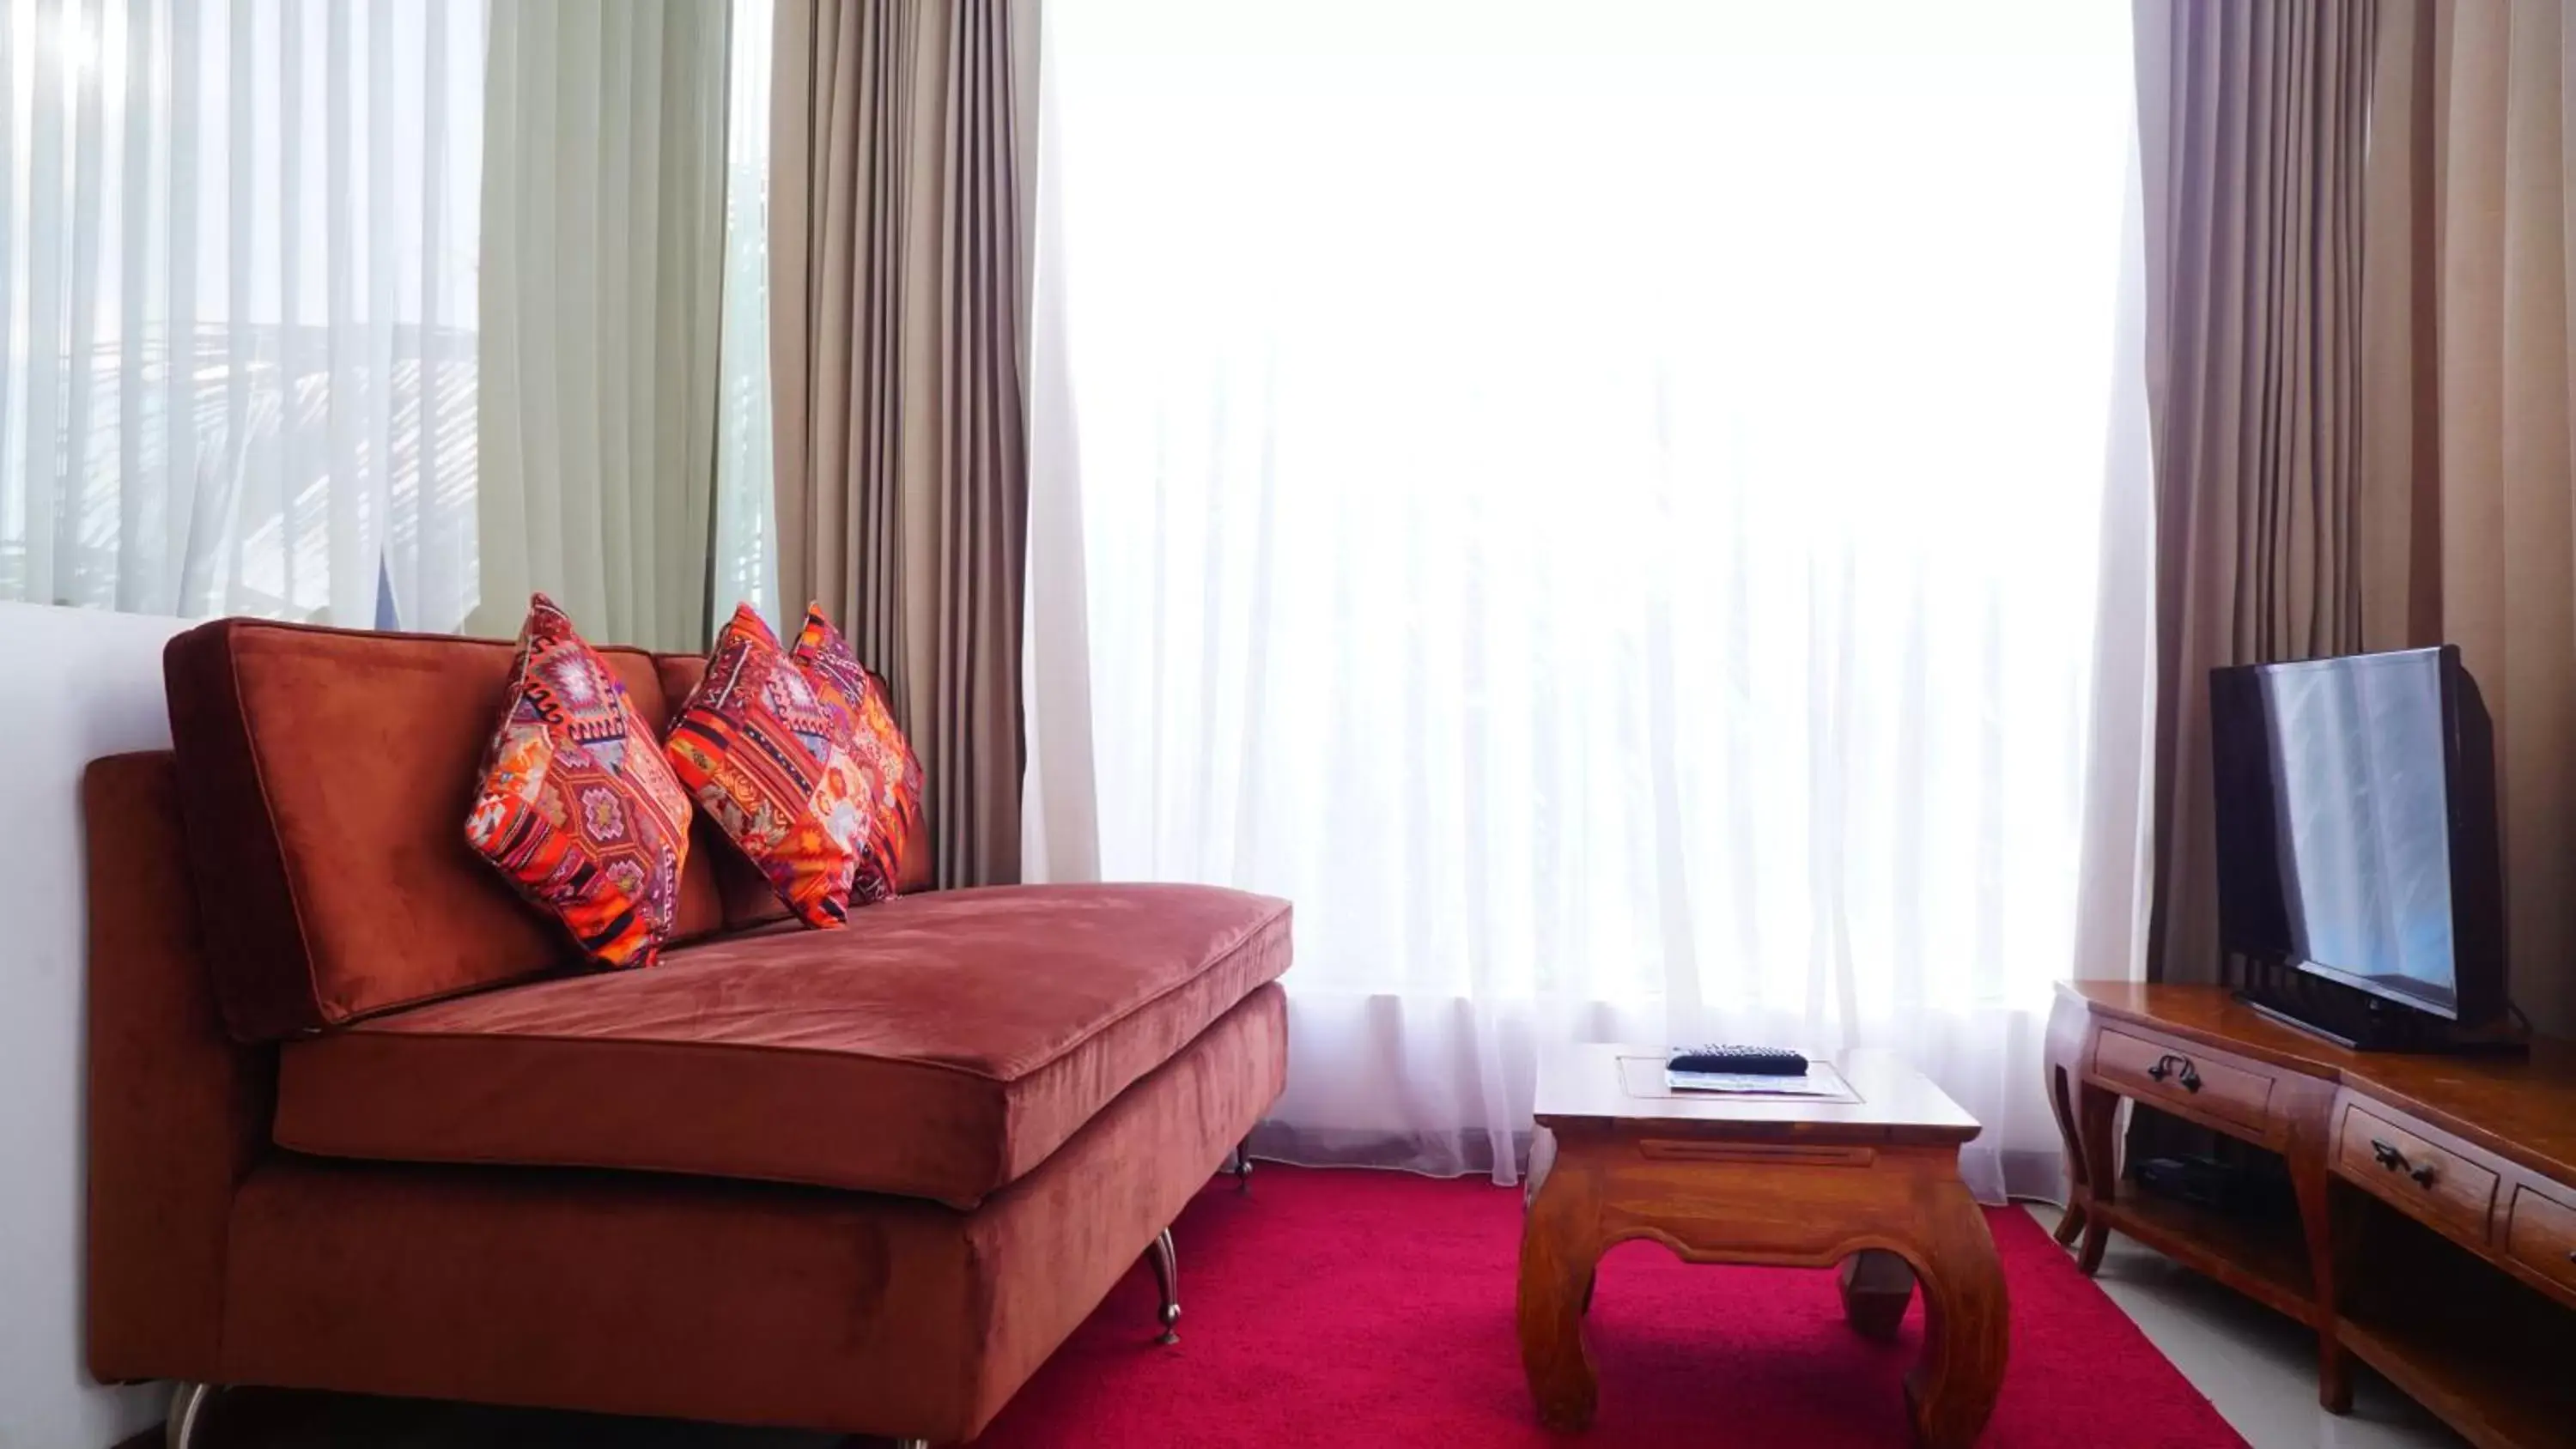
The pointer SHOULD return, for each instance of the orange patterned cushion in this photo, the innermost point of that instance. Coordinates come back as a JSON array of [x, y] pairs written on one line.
[[756, 746], [890, 776], [576, 805]]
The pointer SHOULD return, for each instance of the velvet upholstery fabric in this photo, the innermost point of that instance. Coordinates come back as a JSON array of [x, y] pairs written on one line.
[[177, 1112], [733, 881], [940, 1047], [918, 866], [214, 1256], [704, 1299], [324, 776]]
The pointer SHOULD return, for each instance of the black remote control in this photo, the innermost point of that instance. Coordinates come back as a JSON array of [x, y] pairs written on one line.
[[1747, 1060]]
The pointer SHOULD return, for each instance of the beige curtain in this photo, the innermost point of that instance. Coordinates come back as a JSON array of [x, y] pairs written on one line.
[[603, 217], [2469, 533], [2253, 122], [898, 305]]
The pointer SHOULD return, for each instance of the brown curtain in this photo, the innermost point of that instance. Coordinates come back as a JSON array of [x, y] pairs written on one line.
[[897, 312], [2470, 518], [2253, 120]]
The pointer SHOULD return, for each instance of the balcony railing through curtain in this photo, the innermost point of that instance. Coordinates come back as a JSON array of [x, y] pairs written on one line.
[[237, 520]]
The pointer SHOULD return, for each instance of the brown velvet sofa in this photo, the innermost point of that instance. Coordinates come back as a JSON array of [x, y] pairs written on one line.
[[357, 1122]]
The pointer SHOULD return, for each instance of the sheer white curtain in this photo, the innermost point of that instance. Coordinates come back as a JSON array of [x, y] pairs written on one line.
[[1604, 509], [238, 287]]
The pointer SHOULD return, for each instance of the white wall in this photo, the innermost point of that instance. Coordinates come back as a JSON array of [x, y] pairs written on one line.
[[74, 684]]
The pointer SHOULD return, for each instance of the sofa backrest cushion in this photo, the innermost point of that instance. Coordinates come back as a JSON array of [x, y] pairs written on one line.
[[324, 780]]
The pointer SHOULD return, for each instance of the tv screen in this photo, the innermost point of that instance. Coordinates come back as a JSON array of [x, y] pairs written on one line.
[[2337, 815]]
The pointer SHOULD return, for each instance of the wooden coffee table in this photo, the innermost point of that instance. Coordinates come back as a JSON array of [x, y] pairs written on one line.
[[1871, 1184]]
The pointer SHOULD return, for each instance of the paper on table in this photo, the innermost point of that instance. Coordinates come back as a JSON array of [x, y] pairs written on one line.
[[1821, 1080]]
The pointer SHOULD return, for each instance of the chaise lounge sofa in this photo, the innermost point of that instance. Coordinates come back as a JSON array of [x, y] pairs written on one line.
[[358, 1122]]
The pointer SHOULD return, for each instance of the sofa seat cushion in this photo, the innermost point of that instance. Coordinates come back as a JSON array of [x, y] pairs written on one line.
[[940, 1047]]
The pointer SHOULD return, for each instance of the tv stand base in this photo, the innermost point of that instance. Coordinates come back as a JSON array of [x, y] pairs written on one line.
[[2431, 1231]]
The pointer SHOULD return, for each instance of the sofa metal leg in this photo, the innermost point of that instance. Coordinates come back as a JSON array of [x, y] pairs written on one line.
[[187, 1407], [1243, 1167], [1167, 1273]]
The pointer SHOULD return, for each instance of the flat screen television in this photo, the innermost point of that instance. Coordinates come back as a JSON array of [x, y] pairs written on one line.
[[2356, 819]]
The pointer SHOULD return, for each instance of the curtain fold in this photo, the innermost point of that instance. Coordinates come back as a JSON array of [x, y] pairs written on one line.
[[603, 229], [2115, 876], [2470, 525], [238, 292], [897, 310], [2254, 127]]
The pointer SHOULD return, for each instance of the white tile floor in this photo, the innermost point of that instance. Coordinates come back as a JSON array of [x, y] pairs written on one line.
[[2259, 1368]]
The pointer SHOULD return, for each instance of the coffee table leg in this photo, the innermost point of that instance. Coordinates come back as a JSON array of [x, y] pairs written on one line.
[[1966, 1326], [1560, 1245], [1876, 1286]]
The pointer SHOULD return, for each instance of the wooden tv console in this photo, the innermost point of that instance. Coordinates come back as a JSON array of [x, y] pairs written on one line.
[[2432, 1228]]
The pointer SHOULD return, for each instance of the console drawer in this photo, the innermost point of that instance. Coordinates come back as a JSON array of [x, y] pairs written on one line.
[[2429, 1181], [2540, 1234], [2189, 1077]]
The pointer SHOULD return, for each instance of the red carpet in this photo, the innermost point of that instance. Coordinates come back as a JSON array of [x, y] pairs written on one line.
[[1375, 1309]]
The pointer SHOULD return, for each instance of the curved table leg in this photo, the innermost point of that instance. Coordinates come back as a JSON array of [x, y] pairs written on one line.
[[1876, 1286], [1560, 1246], [1967, 1330], [2097, 1129], [1770, 1203], [2068, 1023]]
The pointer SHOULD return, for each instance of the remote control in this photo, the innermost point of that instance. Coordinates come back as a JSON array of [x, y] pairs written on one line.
[[1746, 1060]]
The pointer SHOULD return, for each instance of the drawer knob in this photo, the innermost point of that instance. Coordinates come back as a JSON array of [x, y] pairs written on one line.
[[2389, 1157], [2178, 1067]]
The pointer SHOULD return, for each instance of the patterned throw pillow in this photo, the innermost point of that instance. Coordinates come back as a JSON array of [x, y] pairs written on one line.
[[576, 805], [756, 746], [889, 774]]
